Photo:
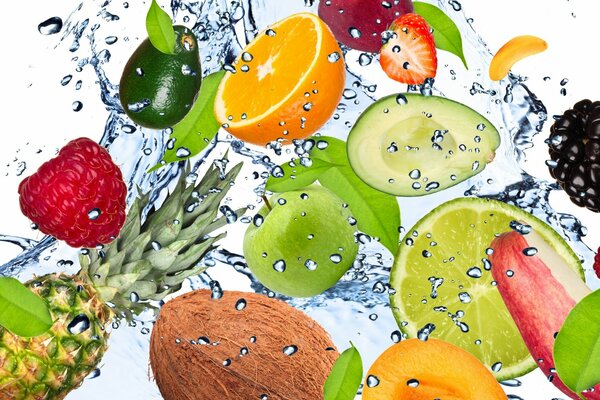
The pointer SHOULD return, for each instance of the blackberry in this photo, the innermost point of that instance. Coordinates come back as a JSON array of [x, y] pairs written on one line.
[[574, 147]]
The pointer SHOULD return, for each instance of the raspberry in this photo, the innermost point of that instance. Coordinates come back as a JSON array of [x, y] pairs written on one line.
[[574, 146], [597, 263], [78, 196]]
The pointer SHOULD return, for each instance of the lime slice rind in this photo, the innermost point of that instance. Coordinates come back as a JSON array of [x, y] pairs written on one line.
[[445, 244]]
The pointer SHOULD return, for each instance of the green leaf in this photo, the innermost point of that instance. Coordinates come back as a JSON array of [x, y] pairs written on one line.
[[160, 29], [21, 311], [298, 176], [377, 213], [445, 32], [577, 346], [345, 377], [195, 131]]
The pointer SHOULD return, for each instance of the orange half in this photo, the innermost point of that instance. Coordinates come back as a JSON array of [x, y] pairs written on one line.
[[287, 82]]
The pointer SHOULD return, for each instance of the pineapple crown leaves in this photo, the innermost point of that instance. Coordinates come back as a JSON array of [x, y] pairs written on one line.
[[150, 260]]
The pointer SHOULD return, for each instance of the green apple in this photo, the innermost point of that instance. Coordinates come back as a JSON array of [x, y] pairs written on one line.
[[302, 242]]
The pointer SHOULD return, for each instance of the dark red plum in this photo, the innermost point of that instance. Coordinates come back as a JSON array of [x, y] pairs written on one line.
[[358, 23]]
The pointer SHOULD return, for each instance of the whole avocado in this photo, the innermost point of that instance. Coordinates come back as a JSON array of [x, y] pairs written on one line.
[[157, 90]]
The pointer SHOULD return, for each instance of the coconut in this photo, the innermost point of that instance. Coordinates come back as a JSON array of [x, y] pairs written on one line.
[[243, 346]]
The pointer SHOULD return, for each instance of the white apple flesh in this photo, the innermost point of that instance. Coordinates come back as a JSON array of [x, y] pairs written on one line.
[[539, 289]]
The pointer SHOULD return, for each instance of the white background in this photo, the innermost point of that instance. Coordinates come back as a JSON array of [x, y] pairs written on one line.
[[36, 111]]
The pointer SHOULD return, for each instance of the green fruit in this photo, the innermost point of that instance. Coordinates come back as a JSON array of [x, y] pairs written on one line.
[[413, 145], [157, 90], [304, 244], [442, 271]]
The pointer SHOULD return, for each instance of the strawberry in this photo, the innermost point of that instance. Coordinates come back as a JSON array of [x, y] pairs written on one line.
[[597, 263], [408, 54], [78, 196]]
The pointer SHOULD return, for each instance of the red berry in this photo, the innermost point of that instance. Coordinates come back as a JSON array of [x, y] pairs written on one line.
[[78, 196], [597, 263], [409, 55]]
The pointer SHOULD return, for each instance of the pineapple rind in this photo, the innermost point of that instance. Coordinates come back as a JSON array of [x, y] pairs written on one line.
[[51, 365]]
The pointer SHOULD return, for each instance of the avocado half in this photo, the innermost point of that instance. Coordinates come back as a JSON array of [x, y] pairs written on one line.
[[412, 145], [157, 90]]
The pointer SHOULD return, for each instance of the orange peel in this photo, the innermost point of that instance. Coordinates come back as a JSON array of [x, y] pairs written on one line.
[[513, 51]]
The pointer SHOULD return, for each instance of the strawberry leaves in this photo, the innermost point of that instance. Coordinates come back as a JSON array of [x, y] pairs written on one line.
[[445, 32], [21, 311], [377, 213]]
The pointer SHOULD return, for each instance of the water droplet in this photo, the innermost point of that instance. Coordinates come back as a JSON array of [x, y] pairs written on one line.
[[523, 229], [290, 350], [424, 332], [279, 265], [510, 273], [414, 174], [310, 265], [475, 272], [227, 362], [413, 383], [372, 381], [77, 106], [270, 32], [496, 367], [156, 246], [431, 186], [258, 220], [396, 336], [247, 57], [138, 106], [355, 33], [401, 99], [240, 304], [530, 251], [50, 26], [134, 297], [464, 297], [333, 57], [94, 213], [203, 340], [79, 324], [110, 40], [364, 59], [183, 152], [335, 258]]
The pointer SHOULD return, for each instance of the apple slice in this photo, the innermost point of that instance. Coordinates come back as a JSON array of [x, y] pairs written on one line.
[[539, 289]]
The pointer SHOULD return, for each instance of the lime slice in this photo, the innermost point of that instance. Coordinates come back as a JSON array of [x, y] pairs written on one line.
[[441, 276]]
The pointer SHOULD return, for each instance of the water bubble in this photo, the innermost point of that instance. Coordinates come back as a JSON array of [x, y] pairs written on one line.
[[258, 220], [50, 26], [349, 94], [511, 383], [431, 186], [110, 40], [364, 59], [510, 273], [270, 32], [183, 152], [396, 336], [279, 265], [355, 33], [290, 350], [481, 127], [66, 79], [79, 324], [530, 251], [227, 362], [496, 367], [77, 106], [244, 351], [372, 381]]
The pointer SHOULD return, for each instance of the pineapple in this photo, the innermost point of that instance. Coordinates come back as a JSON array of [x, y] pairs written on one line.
[[143, 265]]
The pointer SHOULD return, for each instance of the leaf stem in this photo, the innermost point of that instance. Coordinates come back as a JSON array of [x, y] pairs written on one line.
[[267, 202]]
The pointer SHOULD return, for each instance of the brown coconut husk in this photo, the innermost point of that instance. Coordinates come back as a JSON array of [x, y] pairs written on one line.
[[187, 370]]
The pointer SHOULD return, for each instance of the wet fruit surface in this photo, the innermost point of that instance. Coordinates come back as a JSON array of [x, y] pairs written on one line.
[[574, 147], [359, 24]]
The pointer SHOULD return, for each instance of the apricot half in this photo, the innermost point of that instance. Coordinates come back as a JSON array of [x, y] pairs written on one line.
[[425, 370]]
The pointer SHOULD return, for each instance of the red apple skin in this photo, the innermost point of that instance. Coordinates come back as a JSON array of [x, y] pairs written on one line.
[[370, 17], [538, 302]]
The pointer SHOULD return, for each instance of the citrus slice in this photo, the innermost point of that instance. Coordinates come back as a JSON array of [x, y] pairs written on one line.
[[287, 82], [441, 276]]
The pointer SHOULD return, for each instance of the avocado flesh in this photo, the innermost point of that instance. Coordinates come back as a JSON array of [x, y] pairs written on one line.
[[157, 90], [426, 145]]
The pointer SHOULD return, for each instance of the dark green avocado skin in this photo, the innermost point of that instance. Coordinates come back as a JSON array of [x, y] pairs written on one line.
[[157, 90]]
